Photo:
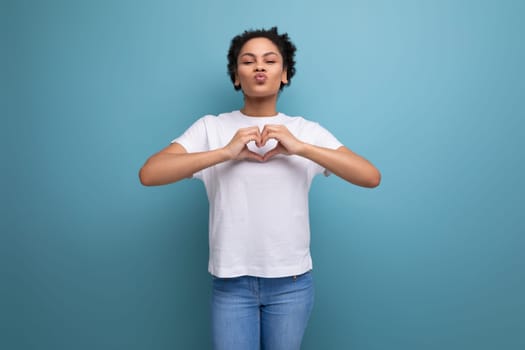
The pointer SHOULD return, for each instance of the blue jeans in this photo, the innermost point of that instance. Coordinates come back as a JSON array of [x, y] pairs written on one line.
[[252, 313]]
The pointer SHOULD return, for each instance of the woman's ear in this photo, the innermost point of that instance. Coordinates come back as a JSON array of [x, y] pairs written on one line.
[[236, 82], [284, 76]]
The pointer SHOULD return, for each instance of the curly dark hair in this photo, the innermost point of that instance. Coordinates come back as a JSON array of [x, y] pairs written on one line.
[[282, 41]]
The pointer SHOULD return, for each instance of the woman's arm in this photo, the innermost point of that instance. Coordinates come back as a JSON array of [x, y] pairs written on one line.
[[342, 162], [174, 163]]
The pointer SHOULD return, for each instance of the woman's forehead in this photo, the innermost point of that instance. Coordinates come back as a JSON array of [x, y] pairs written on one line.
[[259, 46]]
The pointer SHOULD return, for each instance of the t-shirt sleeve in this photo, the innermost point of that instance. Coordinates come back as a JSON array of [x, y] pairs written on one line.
[[323, 138], [195, 138]]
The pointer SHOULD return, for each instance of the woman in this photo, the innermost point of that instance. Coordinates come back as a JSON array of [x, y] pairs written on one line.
[[257, 166]]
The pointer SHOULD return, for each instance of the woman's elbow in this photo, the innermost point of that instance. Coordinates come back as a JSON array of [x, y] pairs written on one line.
[[375, 180], [145, 178], [372, 180]]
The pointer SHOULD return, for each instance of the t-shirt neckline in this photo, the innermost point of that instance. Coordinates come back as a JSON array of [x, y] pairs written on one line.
[[244, 116]]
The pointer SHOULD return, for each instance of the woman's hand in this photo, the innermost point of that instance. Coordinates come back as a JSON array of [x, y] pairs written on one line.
[[237, 147], [287, 143]]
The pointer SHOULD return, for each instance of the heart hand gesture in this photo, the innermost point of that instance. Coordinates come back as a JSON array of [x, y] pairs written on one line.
[[287, 143]]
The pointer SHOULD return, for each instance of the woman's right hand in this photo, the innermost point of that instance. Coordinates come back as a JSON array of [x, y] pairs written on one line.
[[237, 147]]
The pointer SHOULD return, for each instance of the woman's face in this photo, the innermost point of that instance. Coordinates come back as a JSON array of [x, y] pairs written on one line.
[[260, 68]]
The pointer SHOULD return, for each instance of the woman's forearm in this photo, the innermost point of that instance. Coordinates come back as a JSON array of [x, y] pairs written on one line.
[[344, 163], [165, 167]]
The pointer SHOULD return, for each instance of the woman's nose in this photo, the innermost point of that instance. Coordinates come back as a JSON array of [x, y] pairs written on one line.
[[259, 68]]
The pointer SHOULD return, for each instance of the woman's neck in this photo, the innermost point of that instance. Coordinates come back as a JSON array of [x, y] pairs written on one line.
[[260, 107]]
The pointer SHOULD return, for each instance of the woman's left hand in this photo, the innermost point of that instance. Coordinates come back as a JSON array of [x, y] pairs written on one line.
[[287, 143]]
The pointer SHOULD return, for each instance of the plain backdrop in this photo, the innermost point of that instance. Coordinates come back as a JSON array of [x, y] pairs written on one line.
[[432, 92]]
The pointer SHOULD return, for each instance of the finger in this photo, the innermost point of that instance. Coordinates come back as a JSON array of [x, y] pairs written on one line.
[[267, 129], [275, 131], [270, 154], [270, 135], [272, 127], [252, 156], [277, 150], [252, 135], [258, 139], [256, 135]]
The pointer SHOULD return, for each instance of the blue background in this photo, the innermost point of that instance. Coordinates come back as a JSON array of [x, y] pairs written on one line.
[[431, 91]]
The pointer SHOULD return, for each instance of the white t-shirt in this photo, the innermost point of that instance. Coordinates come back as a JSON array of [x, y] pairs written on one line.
[[258, 220]]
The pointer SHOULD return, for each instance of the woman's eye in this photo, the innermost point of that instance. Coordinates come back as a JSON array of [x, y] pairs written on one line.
[[270, 62], [247, 62]]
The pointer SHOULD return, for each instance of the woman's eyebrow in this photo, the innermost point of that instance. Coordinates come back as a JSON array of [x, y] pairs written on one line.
[[253, 55], [247, 54]]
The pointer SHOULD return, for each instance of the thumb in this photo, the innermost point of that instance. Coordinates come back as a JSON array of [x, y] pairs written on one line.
[[247, 154], [279, 149]]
